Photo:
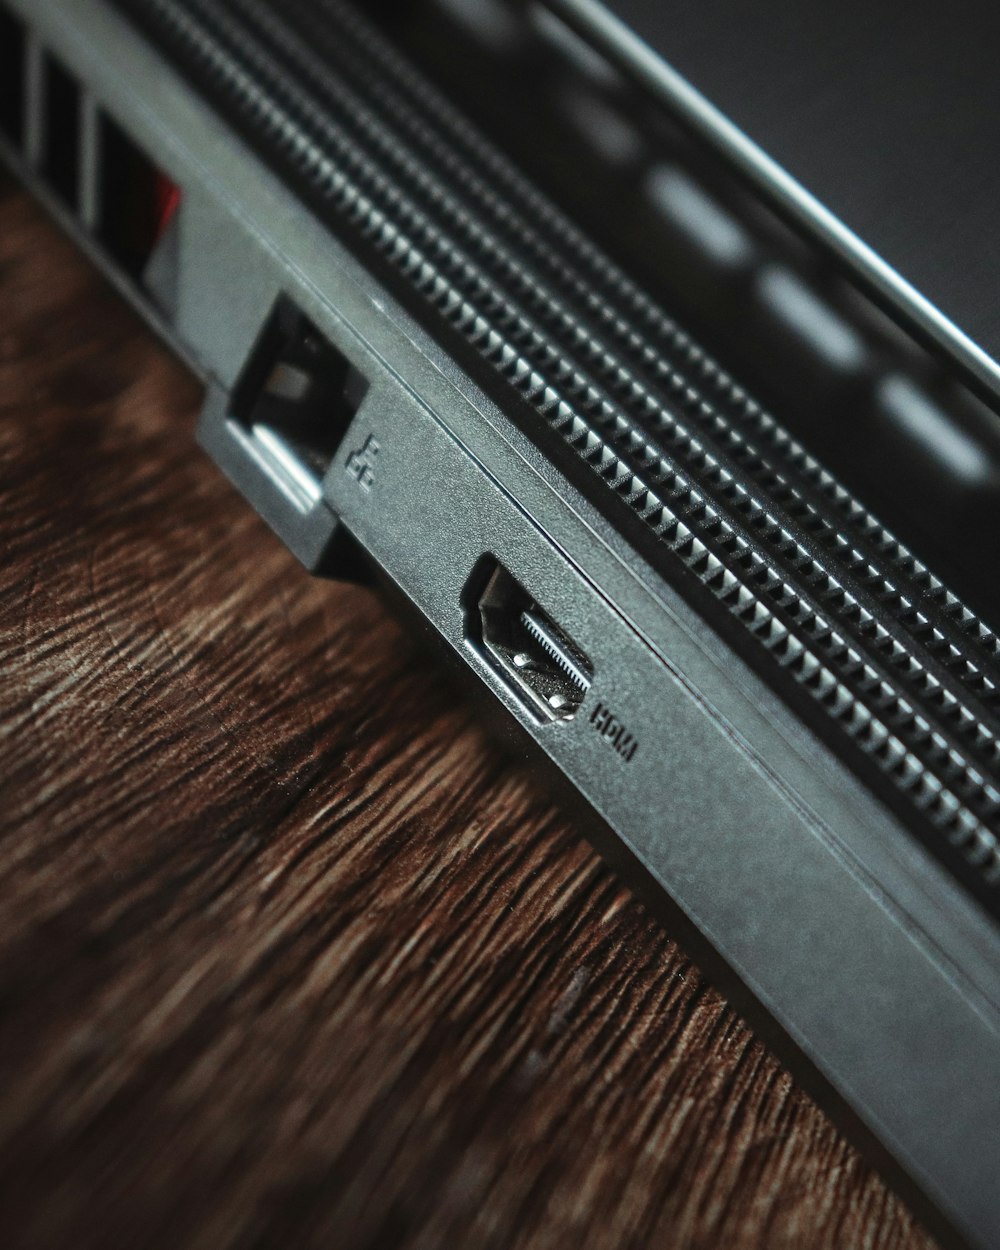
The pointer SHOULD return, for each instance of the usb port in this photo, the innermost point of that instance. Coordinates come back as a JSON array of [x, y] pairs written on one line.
[[537, 659], [138, 203], [13, 57], [61, 149]]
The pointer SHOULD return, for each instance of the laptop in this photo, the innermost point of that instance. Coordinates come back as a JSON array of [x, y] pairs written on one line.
[[648, 357]]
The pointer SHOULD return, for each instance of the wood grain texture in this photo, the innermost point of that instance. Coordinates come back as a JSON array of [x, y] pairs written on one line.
[[289, 954]]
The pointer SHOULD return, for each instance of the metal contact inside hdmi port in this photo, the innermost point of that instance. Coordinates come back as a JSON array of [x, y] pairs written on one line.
[[537, 659]]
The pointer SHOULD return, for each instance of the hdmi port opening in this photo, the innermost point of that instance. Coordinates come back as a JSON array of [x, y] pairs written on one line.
[[536, 658]]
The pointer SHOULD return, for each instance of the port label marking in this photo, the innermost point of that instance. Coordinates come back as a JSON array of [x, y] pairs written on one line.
[[613, 731], [361, 463]]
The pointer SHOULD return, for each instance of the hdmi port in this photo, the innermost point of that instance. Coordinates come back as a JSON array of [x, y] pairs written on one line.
[[541, 664]]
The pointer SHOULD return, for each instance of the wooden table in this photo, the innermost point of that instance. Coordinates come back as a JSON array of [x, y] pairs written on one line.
[[289, 954]]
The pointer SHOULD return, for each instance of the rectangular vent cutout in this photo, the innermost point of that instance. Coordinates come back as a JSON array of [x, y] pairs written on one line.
[[60, 165], [13, 51]]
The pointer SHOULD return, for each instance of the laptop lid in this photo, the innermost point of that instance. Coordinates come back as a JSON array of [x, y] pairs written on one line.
[[878, 124]]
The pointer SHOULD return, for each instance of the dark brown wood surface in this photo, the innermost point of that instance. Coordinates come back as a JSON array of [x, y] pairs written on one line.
[[290, 955]]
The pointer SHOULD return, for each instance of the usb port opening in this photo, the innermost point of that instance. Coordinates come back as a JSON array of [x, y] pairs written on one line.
[[138, 203], [13, 56], [61, 150], [512, 633]]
